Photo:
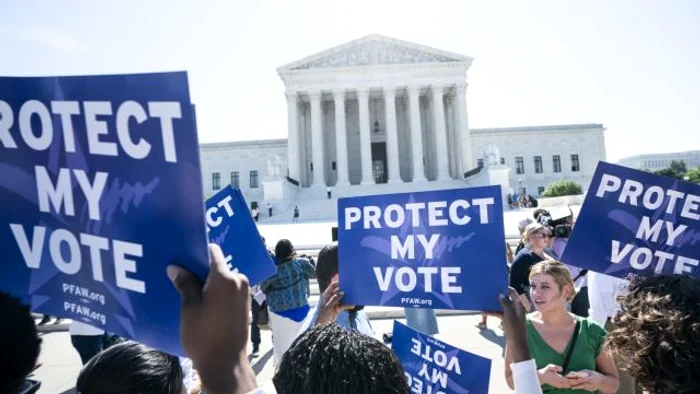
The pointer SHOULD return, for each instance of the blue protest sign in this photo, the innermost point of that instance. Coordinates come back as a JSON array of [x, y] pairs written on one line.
[[435, 367], [634, 222], [231, 226], [101, 189], [440, 249]]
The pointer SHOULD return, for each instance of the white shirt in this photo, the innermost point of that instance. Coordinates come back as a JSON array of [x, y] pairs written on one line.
[[187, 372], [525, 380], [603, 291]]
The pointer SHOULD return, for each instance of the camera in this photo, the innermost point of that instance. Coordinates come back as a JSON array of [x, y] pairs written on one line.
[[557, 220]]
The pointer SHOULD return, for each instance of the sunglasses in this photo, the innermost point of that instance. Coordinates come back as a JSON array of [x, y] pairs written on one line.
[[540, 235]]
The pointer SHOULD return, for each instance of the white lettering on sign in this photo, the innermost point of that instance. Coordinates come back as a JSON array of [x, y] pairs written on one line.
[[632, 192], [71, 263], [215, 221], [406, 278], [99, 119], [439, 213]]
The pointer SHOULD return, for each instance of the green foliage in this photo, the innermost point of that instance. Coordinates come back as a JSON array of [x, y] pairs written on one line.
[[563, 188], [676, 170], [694, 175]]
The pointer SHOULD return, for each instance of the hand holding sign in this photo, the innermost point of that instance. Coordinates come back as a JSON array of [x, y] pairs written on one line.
[[329, 304], [214, 324], [514, 316]]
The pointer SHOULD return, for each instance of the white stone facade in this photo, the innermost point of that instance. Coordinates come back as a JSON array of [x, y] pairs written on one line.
[[379, 110], [251, 160], [659, 161], [539, 147], [388, 116]]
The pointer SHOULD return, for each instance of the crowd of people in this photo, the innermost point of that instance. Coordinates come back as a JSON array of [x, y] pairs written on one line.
[[634, 336]]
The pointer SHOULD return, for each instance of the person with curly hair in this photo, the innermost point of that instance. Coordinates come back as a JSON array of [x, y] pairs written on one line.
[[568, 349], [657, 334], [329, 359]]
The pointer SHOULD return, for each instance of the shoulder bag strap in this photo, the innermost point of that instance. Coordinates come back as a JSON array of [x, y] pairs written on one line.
[[570, 349]]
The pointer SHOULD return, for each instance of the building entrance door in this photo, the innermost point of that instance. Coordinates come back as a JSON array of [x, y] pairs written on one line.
[[379, 170]]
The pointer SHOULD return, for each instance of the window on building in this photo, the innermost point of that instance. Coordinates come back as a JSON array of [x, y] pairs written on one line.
[[538, 164], [235, 179], [540, 190], [480, 163], [523, 191], [556, 163], [519, 165], [333, 165], [574, 163], [254, 180], [311, 165], [216, 181], [503, 160]]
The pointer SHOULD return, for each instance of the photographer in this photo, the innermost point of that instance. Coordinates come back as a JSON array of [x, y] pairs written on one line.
[[560, 221]]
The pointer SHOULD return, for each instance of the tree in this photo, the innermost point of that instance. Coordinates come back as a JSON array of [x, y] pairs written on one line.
[[676, 170], [563, 188], [694, 175]]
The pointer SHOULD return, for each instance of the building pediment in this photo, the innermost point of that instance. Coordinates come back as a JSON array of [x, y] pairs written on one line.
[[374, 50]]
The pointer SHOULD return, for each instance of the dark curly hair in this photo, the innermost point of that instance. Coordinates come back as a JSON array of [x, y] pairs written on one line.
[[327, 359], [657, 334]]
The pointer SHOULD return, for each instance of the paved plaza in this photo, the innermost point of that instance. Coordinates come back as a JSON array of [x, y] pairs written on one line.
[[61, 364]]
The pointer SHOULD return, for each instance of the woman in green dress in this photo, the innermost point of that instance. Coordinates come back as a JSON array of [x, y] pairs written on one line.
[[568, 349]]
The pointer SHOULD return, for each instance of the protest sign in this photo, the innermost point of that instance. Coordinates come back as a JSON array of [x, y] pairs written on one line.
[[101, 189], [440, 249], [636, 223], [435, 367], [231, 226]]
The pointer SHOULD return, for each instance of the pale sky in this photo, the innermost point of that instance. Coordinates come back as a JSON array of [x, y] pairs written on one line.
[[633, 65]]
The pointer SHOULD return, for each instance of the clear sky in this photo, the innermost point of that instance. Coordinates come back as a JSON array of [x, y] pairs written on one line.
[[633, 66]]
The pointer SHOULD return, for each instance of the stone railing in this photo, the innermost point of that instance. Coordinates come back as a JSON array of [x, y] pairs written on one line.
[[545, 202]]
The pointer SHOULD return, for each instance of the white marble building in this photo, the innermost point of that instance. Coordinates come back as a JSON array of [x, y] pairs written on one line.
[[659, 161], [377, 110], [382, 115], [538, 156]]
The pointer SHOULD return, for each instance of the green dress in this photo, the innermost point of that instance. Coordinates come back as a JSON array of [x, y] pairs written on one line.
[[589, 344]]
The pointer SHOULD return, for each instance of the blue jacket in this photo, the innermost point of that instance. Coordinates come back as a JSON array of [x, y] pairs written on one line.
[[289, 287]]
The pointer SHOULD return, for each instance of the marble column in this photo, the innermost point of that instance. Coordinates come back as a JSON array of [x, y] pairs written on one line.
[[294, 140], [341, 145], [365, 141], [440, 134], [319, 176], [392, 137], [463, 126], [416, 134]]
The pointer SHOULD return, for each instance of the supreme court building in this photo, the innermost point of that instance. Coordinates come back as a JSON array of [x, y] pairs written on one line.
[[381, 115]]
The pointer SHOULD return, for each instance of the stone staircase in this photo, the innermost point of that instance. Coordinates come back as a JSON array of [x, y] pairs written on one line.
[[314, 204]]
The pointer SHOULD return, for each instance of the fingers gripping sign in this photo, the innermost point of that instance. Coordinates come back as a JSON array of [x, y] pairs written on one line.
[[330, 304], [214, 321]]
